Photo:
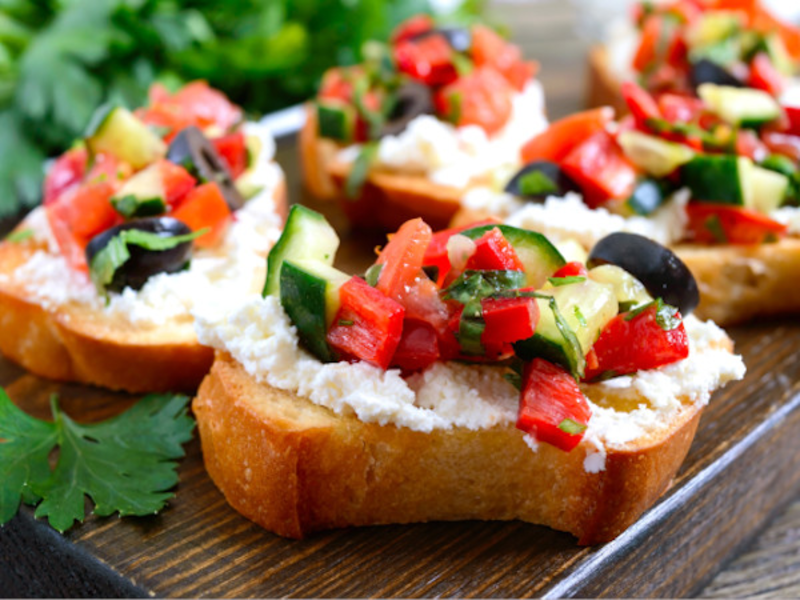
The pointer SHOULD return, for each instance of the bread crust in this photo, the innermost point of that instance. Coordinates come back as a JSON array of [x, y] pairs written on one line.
[[603, 87], [736, 283], [295, 468], [77, 344], [386, 200]]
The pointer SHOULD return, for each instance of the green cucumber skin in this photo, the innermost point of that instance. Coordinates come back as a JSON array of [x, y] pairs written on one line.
[[714, 178], [299, 218], [647, 197], [335, 122], [549, 259], [303, 298], [540, 346]]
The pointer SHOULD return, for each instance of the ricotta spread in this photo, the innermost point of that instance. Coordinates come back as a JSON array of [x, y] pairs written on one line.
[[452, 156], [236, 267], [258, 334]]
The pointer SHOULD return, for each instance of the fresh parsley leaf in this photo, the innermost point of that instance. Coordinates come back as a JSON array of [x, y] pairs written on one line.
[[18, 236], [360, 170], [126, 465], [559, 281]]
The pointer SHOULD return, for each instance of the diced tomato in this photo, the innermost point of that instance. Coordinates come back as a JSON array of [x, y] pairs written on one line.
[[429, 60], [481, 98], [412, 27], [508, 320], [108, 168], [158, 93], [627, 345], [489, 49], [558, 140], [207, 106], [640, 103], [782, 143], [647, 52], [67, 171], [676, 108], [764, 76], [233, 150], [436, 253], [177, 181], [719, 223], [205, 207], [552, 406], [571, 269], [402, 258], [493, 252], [337, 83], [79, 215], [748, 144], [601, 168], [168, 119], [368, 325], [418, 347], [793, 119]]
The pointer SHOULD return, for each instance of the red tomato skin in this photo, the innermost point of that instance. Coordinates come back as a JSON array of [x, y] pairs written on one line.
[[489, 49], [482, 98], [377, 324], [647, 53], [178, 182], [429, 60], [412, 27], [562, 136], [739, 225], [508, 320], [493, 252], [602, 170], [233, 151], [207, 106], [676, 108], [793, 119], [203, 207], [418, 347], [626, 346], [571, 269], [436, 253], [640, 103], [764, 76], [67, 171], [549, 396], [402, 258]]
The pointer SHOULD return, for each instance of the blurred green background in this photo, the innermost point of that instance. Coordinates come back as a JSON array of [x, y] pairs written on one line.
[[60, 59]]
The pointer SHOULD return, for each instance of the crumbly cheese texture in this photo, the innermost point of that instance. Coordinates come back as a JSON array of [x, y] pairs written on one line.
[[236, 267], [452, 156], [259, 335]]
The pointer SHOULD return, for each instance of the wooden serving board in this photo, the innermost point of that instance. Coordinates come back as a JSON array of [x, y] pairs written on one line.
[[741, 467]]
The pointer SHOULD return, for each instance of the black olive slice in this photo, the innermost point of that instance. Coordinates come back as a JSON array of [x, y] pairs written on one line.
[[707, 71], [539, 179], [413, 99], [144, 263], [459, 38], [192, 150], [661, 272]]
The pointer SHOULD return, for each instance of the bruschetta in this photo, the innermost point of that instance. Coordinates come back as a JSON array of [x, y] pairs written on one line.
[[434, 112], [155, 212], [470, 374]]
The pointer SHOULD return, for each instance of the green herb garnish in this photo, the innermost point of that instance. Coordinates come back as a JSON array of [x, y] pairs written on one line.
[[346, 322], [571, 427], [477, 285], [373, 274], [536, 183], [665, 314], [714, 226], [126, 464], [21, 235], [559, 281], [360, 170], [579, 316]]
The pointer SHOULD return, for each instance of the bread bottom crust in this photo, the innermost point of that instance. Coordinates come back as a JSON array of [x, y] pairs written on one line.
[[77, 344], [295, 468]]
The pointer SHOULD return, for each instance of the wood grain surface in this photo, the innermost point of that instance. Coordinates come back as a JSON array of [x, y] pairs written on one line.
[[741, 470]]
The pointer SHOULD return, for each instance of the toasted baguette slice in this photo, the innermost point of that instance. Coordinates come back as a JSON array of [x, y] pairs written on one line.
[[295, 468], [74, 342], [737, 283], [603, 87], [386, 200]]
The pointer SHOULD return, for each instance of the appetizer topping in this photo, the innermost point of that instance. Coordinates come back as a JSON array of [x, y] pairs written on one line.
[[487, 294], [539, 179]]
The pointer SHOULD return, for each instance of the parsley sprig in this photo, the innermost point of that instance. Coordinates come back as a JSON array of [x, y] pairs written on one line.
[[126, 464]]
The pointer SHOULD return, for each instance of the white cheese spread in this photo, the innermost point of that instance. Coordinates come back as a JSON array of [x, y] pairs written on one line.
[[259, 335], [452, 156], [236, 267]]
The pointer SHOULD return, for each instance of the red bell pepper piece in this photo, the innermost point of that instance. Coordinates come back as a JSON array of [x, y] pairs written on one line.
[[436, 254], [571, 269], [640, 103], [634, 342], [206, 106], [205, 207], [67, 171], [412, 27], [489, 49], [493, 252], [647, 52], [793, 119], [418, 347], [178, 182], [482, 98], [558, 140], [764, 76], [508, 320], [552, 408], [676, 108], [233, 150], [601, 168], [368, 325], [429, 60], [719, 223]]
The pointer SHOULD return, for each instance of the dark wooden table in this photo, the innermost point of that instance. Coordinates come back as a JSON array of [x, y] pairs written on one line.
[[740, 474]]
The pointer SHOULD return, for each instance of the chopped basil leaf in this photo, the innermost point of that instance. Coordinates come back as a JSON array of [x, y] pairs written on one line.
[[360, 170], [627, 305], [665, 314], [571, 427], [375, 119], [20, 235], [639, 310], [373, 274], [470, 329], [346, 322], [477, 285], [455, 100], [115, 254], [514, 379], [571, 339], [131, 206], [559, 281], [536, 183], [604, 376], [580, 317]]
